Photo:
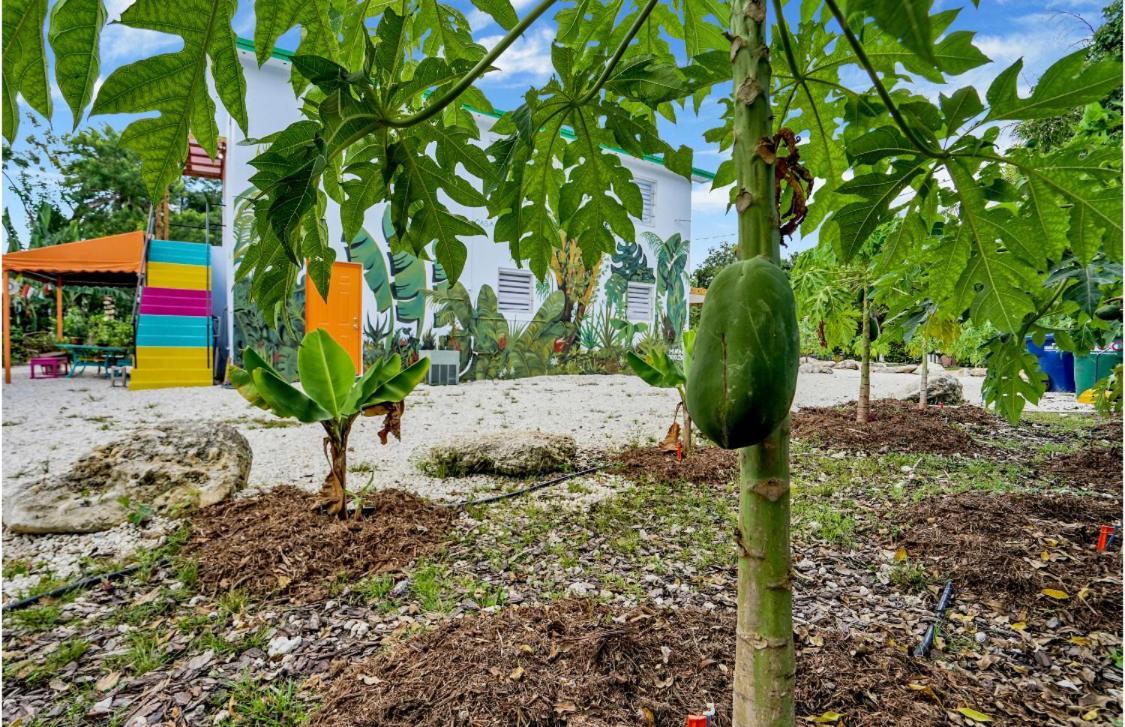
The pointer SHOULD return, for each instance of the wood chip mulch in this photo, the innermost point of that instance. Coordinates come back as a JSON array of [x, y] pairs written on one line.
[[277, 545], [1097, 468], [895, 426], [707, 465], [583, 663], [993, 546]]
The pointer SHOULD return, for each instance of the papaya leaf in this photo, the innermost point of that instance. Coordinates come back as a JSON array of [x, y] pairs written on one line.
[[908, 21], [1071, 81], [176, 86], [1013, 376], [25, 63], [76, 27]]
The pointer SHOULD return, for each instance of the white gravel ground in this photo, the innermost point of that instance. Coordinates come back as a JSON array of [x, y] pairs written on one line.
[[47, 424]]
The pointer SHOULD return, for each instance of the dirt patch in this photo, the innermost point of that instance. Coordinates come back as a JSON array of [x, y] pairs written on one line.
[[581, 663], [708, 465], [1097, 468], [992, 546], [276, 544], [894, 426]]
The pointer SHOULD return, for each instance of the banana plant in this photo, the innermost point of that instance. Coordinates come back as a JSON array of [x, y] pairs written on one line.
[[657, 368], [332, 396]]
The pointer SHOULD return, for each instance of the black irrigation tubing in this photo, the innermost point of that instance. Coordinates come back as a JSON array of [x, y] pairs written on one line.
[[74, 586], [129, 570]]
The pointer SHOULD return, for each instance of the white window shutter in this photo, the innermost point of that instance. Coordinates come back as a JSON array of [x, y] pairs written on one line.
[[638, 302], [647, 188], [514, 289]]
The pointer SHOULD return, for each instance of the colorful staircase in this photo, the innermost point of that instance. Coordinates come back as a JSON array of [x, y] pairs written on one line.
[[174, 325]]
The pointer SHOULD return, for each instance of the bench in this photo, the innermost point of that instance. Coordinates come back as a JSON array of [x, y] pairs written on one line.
[[51, 365]]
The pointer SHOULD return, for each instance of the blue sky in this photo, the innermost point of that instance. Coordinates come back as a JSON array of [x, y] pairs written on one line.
[[1040, 31]]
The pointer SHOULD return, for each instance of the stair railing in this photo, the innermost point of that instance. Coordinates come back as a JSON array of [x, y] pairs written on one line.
[[150, 228]]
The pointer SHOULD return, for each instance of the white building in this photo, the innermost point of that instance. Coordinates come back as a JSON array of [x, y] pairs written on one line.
[[513, 325]]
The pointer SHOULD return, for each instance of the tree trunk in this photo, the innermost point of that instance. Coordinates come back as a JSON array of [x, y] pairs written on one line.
[[764, 661], [863, 405], [334, 493], [923, 393]]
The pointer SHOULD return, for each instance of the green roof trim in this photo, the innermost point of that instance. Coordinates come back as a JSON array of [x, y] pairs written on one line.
[[286, 56]]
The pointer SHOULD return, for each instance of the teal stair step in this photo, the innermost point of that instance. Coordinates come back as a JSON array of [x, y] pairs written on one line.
[[183, 253]]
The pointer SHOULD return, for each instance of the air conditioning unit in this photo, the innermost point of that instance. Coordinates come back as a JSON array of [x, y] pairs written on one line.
[[444, 367]]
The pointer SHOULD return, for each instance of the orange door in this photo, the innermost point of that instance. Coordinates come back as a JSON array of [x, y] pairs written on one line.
[[340, 315]]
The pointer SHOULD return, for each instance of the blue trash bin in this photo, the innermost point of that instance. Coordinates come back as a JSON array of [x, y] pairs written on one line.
[[1058, 365]]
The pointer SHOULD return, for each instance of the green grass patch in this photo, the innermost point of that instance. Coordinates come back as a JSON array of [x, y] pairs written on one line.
[[41, 669], [268, 705]]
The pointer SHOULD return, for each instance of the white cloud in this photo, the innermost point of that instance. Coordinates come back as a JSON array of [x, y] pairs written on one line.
[[120, 43], [527, 60], [705, 200]]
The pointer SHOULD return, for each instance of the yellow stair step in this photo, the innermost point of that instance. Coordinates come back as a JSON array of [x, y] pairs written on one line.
[[167, 378], [163, 357], [177, 275]]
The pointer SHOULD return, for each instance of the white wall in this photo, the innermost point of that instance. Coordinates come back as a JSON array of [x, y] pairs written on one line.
[[271, 106]]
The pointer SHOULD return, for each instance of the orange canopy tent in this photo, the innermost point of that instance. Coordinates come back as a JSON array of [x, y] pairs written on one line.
[[116, 260]]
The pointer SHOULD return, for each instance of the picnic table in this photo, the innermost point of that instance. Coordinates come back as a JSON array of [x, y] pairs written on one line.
[[83, 355]]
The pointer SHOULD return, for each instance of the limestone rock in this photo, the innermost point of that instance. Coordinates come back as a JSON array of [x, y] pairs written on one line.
[[941, 389], [166, 469], [516, 454], [908, 369], [979, 371], [848, 363], [815, 368]]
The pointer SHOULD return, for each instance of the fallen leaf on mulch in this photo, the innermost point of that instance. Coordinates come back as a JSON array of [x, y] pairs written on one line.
[[991, 544], [277, 544]]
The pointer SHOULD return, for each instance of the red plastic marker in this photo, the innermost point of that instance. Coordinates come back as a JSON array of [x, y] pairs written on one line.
[[695, 720], [1103, 537]]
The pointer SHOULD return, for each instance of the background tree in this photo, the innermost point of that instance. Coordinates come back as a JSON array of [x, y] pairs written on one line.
[[718, 258]]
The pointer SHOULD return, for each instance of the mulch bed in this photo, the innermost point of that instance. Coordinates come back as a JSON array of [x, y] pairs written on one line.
[[894, 426], [707, 465], [578, 662], [991, 545], [1096, 468], [276, 544]]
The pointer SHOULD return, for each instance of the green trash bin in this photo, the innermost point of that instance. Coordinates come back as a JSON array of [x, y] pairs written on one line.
[[1090, 369]]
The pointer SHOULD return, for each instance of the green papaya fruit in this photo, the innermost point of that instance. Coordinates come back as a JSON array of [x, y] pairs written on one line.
[[1110, 311], [743, 372]]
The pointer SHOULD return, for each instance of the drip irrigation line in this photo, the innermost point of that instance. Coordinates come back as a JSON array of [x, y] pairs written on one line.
[[531, 488], [75, 585], [939, 615], [129, 570]]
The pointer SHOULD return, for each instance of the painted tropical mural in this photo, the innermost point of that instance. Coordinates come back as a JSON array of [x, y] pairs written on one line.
[[581, 323], [278, 345]]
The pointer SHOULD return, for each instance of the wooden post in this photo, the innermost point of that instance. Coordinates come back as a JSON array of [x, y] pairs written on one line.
[[58, 309], [7, 333]]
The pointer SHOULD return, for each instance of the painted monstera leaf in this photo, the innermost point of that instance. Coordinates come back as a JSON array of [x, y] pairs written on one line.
[[363, 249], [408, 278], [490, 328]]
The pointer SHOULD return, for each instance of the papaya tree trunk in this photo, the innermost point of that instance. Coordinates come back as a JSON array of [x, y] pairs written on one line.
[[334, 493], [924, 370], [764, 659], [863, 404]]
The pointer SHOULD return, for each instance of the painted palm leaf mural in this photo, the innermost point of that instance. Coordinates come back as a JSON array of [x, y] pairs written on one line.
[[629, 265], [671, 288]]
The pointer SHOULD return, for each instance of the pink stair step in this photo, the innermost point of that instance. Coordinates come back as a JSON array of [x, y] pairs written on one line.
[[175, 301]]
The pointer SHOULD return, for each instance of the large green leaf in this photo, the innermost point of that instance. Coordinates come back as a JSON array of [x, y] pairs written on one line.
[[281, 396], [176, 86], [1069, 82], [1013, 378], [658, 369], [906, 20], [327, 372], [399, 386], [76, 27], [243, 379], [25, 63], [375, 376]]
